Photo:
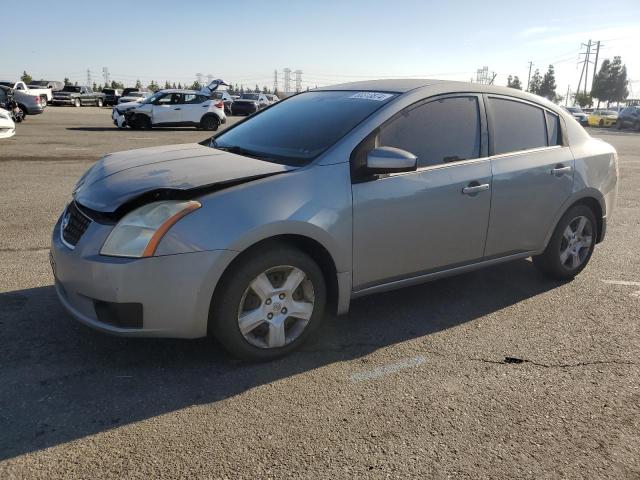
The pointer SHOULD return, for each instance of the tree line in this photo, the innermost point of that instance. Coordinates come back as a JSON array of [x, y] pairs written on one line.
[[610, 84]]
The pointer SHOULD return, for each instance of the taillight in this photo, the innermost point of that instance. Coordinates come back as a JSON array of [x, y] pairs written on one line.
[[38, 100], [219, 105]]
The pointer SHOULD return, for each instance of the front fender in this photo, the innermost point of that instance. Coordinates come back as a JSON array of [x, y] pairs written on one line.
[[314, 202]]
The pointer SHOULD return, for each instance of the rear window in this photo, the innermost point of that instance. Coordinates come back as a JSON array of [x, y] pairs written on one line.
[[553, 128], [71, 88], [517, 126]]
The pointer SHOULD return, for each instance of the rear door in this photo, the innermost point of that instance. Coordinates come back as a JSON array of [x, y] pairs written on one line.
[[194, 107], [532, 174], [408, 224]]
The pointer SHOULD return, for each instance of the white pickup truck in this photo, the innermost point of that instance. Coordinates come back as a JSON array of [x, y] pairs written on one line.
[[20, 89]]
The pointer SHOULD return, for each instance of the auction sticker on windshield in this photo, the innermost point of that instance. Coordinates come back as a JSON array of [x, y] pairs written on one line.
[[376, 96]]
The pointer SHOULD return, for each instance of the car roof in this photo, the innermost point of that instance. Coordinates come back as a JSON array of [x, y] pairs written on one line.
[[440, 86], [180, 90]]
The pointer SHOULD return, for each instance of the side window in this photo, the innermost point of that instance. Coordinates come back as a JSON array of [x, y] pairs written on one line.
[[553, 129], [193, 98], [437, 132], [20, 87], [165, 100], [517, 126]]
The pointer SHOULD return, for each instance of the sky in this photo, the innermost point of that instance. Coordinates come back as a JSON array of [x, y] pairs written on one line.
[[330, 41]]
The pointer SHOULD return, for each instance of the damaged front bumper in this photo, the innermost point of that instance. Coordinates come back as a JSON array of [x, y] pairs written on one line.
[[119, 118]]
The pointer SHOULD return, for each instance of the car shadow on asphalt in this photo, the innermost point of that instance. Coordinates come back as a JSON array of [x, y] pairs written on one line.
[[62, 381]]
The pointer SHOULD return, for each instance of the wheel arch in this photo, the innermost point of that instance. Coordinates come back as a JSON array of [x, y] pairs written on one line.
[[591, 198], [310, 246]]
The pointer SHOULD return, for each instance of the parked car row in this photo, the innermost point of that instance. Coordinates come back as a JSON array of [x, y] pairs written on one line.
[[31, 101], [621, 117]]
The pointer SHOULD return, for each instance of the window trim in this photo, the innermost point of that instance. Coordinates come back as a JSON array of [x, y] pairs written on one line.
[[490, 125], [484, 137]]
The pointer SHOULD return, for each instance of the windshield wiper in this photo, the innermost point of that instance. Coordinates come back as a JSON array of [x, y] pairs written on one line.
[[238, 150]]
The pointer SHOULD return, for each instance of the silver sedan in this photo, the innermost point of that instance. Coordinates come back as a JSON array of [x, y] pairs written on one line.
[[323, 197]]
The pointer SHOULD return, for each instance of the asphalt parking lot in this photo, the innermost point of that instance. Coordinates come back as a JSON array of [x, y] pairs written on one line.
[[499, 373]]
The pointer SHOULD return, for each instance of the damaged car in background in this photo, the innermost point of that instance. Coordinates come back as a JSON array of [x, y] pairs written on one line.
[[171, 108]]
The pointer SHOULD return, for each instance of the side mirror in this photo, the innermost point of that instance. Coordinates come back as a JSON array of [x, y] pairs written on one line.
[[391, 160]]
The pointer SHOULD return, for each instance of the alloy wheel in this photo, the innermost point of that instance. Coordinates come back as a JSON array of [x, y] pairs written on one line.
[[576, 243], [276, 307]]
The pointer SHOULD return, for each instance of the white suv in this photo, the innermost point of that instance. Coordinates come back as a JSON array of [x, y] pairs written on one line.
[[171, 108]]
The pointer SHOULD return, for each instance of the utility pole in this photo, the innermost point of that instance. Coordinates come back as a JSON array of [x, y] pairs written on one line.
[[105, 75], [298, 80], [566, 99], [586, 68], [584, 64], [89, 82], [529, 77], [595, 64], [287, 80]]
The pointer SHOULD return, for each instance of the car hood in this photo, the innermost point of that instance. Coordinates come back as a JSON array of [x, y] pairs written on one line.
[[123, 106], [121, 177]]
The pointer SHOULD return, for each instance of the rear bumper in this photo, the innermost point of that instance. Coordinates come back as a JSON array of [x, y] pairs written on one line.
[[166, 296], [243, 109]]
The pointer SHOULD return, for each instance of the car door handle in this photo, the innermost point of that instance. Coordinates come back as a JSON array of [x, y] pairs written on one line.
[[560, 170], [471, 188]]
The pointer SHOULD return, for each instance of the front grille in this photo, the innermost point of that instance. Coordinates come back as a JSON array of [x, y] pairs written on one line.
[[74, 224]]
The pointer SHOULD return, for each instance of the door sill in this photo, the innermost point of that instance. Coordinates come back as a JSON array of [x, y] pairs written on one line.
[[434, 275]]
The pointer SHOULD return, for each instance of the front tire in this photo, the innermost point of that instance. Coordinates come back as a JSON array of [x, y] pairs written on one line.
[[77, 103], [140, 122], [99, 102], [268, 304], [571, 245]]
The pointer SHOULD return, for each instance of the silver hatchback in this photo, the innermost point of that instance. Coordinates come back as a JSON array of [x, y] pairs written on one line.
[[323, 197]]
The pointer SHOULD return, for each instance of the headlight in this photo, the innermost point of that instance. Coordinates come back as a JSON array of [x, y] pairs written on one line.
[[140, 231]]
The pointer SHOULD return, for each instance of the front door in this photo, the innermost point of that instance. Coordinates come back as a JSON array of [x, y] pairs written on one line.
[[167, 109], [408, 224]]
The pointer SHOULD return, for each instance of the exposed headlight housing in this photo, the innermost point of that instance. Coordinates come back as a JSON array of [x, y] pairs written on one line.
[[139, 232]]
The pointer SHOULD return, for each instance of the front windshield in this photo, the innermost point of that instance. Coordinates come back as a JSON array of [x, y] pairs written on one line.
[[608, 112], [249, 96], [297, 130], [151, 99], [71, 88]]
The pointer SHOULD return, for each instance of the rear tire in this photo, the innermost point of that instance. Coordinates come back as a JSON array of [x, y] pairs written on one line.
[[636, 126], [43, 101], [571, 245], [210, 122], [619, 124], [268, 338]]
